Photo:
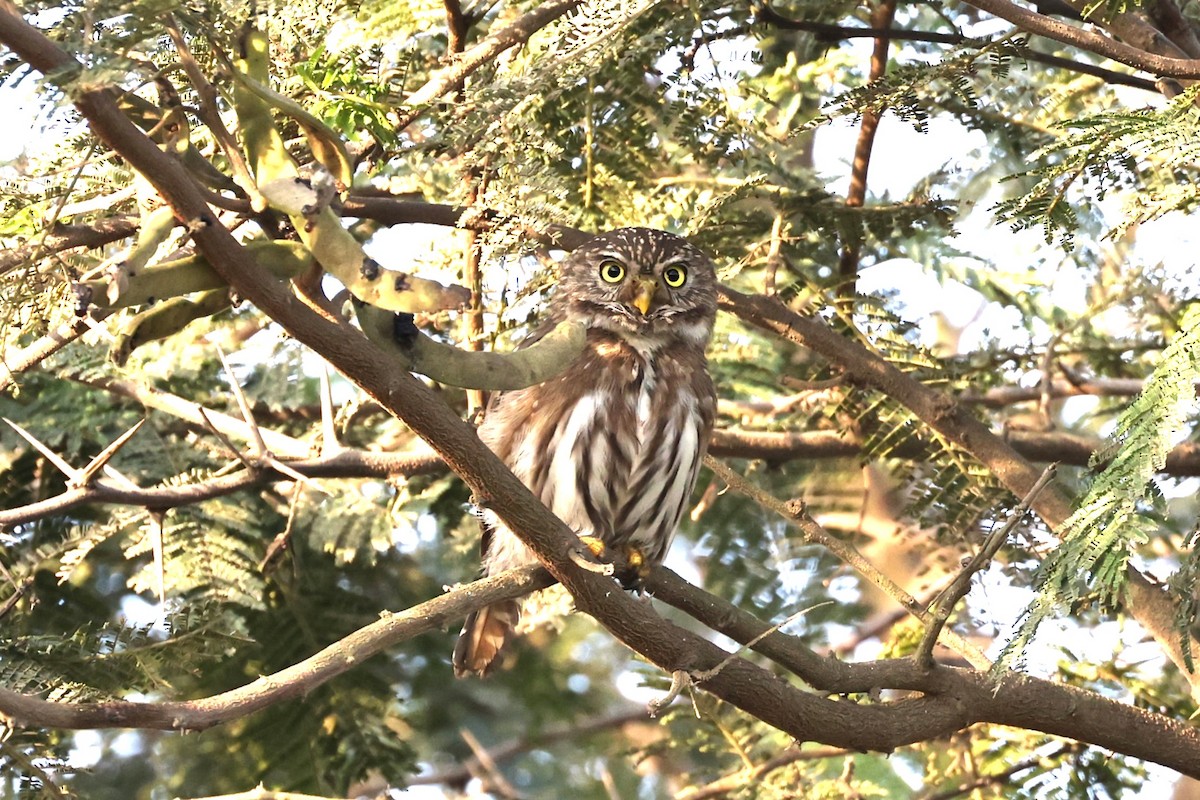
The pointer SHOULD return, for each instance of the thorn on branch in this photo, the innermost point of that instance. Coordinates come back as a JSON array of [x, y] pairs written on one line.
[[51, 456], [104, 456]]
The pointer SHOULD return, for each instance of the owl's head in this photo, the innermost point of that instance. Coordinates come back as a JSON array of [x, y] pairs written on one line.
[[643, 284]]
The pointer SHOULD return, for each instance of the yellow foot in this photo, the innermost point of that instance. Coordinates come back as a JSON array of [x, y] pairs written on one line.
[[630, 566], [595, 546], [634, 569]]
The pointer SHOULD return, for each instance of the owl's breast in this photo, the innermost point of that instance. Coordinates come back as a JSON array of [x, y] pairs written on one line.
[[612, 446]]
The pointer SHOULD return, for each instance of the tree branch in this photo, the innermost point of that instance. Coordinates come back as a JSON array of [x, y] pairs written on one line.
[[1170, 66], [343, 464], [66, 237], [295, 681], [856, 194], [827, 32], [1064, 448], [954, 699], [451, 78], [794, 513], [1030, 703], [1149, 604], [753, 776], [943, 605], [548, 737]]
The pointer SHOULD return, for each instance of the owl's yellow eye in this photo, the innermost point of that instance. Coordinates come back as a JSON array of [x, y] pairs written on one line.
[[612, 271], [674, 276]]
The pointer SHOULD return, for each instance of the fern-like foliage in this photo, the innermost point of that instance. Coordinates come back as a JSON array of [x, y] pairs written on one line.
[[1151, 151], [1114, 516]]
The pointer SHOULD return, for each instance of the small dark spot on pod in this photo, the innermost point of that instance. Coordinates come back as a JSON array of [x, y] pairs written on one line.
[[308, 226], [401, 284], [83, 298], [370, 269], [151, 300], [404, 330]]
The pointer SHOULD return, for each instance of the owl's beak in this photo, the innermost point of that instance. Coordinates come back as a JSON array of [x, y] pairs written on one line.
[[643, 293]]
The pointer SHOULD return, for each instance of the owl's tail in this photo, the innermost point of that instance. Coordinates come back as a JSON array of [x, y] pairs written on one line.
[[483, 636]]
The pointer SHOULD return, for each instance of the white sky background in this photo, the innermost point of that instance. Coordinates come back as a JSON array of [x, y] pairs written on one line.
[[902, 157]]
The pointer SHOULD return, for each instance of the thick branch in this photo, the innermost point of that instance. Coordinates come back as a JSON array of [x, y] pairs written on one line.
[[963, 697], [1150, 605], [1170, 66], [66, 237], [1024, 702], [291, 682]]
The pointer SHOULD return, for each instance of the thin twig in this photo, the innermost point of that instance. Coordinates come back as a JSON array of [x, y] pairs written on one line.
[[680, 680], [346, 464], [827, 32], [494, 777], [856, 195], [548, 737], [451, 77], [709, 674], [795, 514], [753, 776], [943, 606], [189, 411], [984, 781]]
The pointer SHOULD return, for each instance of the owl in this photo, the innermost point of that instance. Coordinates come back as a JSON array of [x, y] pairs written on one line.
[[613, 444]]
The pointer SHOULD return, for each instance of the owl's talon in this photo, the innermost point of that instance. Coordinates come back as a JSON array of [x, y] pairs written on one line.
[[595, 546], [584, 562], [634, 568]]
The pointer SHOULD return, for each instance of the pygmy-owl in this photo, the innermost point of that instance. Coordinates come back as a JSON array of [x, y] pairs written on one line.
[[613, 444]]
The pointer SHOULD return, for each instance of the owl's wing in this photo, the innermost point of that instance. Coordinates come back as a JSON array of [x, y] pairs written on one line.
[[486, 531]]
